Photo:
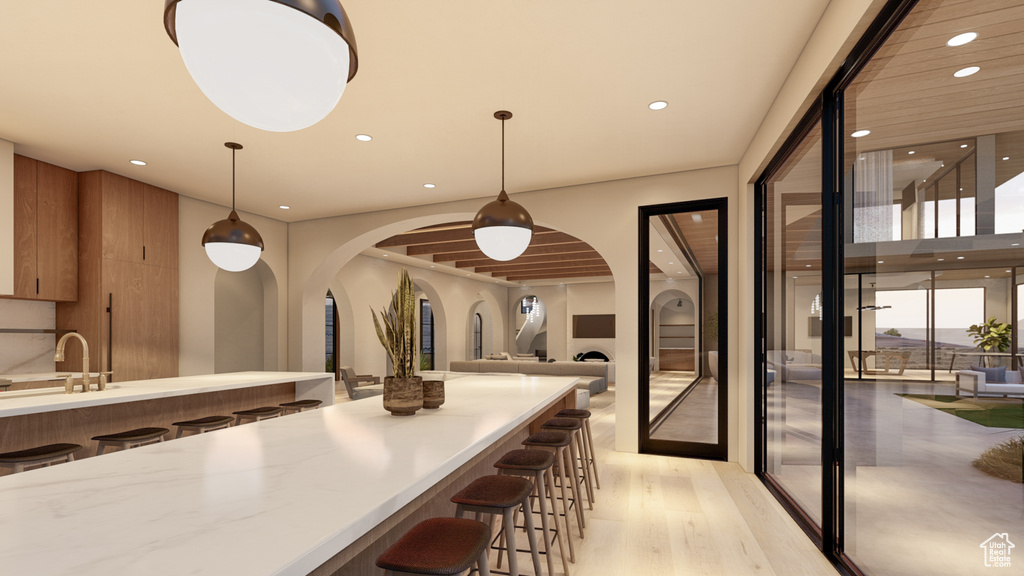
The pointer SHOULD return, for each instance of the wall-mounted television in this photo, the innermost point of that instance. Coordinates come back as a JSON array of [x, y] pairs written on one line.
[[593, 326]]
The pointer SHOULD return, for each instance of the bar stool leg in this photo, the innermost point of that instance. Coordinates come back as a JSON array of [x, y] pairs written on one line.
[[577, 456], [549, 477], [574, 487], [593, 455], [531, 537]]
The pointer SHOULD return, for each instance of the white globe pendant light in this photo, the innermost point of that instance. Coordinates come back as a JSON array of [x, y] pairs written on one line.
[[276, 65], [232, 244], [502, 228]]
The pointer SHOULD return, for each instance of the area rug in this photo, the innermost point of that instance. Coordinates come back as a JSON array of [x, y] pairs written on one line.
[[991, 412]]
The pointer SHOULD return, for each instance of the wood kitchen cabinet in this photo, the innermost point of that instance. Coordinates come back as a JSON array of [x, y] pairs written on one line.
[[45, 231], [128, 278]]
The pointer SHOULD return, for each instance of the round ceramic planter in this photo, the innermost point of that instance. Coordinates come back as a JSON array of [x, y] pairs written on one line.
[[433, 393], [403, 396]]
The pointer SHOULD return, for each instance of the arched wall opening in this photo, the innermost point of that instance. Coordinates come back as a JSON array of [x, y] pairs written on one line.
[[425, 289], [670, 308], [492, 328], [245, 320]]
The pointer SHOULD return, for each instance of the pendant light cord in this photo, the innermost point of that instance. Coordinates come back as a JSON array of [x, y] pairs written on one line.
[[233, 179], [503, 154]]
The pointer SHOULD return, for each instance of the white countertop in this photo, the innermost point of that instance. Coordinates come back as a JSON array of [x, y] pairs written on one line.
[[52, 399], [277, 497]]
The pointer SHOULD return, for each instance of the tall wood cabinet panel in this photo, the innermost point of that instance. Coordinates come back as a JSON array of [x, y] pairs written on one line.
[[128, 307], [45, 231]]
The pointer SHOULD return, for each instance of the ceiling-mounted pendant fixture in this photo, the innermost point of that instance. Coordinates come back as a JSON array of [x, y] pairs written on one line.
[[503, 228], [277, 65], [232, 244]]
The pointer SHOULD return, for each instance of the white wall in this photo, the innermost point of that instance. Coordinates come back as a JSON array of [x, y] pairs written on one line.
[[197, 280], [602, 214], [27, 353], [238, 321], [6, 217], [368, 283]]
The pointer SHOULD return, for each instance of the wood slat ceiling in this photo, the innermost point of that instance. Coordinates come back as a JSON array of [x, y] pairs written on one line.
[[552, 255], [699, 230]]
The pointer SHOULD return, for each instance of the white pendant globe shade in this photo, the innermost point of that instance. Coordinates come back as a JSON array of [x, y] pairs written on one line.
[[263, 63], [503, 243], [232, 256]]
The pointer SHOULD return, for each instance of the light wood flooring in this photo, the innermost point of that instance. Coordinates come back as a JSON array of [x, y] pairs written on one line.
[[658, 515]]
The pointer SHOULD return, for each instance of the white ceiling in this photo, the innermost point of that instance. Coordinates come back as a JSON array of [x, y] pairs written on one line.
[[90, 85]]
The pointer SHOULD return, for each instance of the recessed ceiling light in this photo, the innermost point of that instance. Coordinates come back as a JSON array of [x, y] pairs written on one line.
[[697, 218], [1015, 244], [860, 133], [963, 145], [364, 137], [881, 261], [1006, 157], [987, 276], [138, 162], [941, 259], [429, 185], [911, 152], [384, 255], [965, 72], [431, 265], [660, 250], [1008, 271], [808, 266], [959, 257], [283, 207], [961, 39], [795, 277], [671, 262], [467, 274], [658, 105]]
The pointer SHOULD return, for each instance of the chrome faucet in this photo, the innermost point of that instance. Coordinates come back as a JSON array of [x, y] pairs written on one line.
[[59, 357]]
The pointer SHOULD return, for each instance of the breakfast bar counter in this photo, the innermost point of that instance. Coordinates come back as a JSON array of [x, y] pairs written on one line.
[[281, 496]]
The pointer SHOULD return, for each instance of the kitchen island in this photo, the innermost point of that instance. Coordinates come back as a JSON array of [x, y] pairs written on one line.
[[48, 415], [283, 496]]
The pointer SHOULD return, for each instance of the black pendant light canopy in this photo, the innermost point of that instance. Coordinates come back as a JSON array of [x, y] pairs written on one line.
[[503, 228], [233, 244]]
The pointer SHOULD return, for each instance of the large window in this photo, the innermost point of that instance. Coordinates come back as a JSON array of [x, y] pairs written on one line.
[[876, 423]]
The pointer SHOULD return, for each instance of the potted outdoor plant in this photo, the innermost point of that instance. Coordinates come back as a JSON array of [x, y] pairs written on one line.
[[396, 329]]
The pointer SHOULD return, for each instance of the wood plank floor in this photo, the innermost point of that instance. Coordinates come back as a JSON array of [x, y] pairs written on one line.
[[657, 515]]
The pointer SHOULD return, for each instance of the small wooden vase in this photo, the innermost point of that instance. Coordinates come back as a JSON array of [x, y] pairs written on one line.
[[403, 396], [433, 393]]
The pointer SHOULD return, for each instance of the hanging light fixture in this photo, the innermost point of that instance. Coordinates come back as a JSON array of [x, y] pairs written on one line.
[[680, 303], [232, 244], [502, 228], [277, 65]]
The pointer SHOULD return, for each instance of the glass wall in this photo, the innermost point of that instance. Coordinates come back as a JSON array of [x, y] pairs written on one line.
[[929, 412], [792, 282]]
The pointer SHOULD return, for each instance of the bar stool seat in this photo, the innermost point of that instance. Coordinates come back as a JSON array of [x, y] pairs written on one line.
[[589, 455], [441, 546], [130, 438], [501, 495], [300, 405], [257, 414], [39, 456], [203, 425]]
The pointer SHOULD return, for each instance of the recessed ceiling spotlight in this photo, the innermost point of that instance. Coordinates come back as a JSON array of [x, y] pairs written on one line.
[[959, 257], [364, 137], [429, 185], [283, 207], [138, 162], [795, 277], [1008, 271], [1006, 157], [987, 276], [941, 259], [961, 39], [384, 255], [963, 145], [467, 274], [965, 72], [431, 265], [808, 266], [697, 218], [881, 261], [660, 250], [860, 133], [658, 105], [911, 152], [1015, 244], [671, 263]]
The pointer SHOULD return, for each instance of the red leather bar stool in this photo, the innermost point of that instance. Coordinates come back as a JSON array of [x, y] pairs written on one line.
[[558, 441], [39, 456], [130, 438], [501, 495], [442, 546], [539, 466], [257, 414], [202, 425], [574, 427], [590, 459], [300, 405]]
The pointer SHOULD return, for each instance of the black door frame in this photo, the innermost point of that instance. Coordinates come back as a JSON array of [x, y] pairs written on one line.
[[647, 445]]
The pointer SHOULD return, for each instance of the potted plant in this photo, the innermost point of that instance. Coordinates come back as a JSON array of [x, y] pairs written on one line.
[[991, 335], [396, 329]]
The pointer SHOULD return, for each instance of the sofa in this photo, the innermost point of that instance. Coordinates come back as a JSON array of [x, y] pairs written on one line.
[[792, 365], [977, 383], [593, 375]]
